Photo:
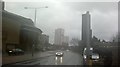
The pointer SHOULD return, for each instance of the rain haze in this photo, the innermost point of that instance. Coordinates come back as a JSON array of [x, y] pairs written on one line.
[[68, 15]]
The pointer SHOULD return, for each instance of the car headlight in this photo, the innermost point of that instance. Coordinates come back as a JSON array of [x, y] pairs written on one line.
[[85, 57], [10, 51], [97, 57]]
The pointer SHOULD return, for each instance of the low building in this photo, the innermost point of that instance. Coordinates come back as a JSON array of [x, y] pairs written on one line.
[[45, 39], [18, 32], [74, 42]]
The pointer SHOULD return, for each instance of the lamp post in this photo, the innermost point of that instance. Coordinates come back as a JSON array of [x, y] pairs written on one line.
[[34, 23], [35, 8]]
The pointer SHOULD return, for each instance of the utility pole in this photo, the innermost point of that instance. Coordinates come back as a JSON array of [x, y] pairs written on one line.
[[35, 8]]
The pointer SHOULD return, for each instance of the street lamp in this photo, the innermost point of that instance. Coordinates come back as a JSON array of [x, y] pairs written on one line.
[[34, 22], [35, 8]]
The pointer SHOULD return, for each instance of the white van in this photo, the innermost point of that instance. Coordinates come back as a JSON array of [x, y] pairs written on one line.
[[84, 52], [93, 56]]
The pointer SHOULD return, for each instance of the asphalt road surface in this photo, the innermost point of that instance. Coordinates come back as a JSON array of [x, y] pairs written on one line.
[[69, 58]]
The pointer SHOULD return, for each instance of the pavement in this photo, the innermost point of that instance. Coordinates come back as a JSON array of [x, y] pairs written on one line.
[[46, 58], [25, 57]]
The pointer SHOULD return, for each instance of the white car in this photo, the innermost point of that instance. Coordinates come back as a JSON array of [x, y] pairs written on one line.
[[59, 54], [95, 57]]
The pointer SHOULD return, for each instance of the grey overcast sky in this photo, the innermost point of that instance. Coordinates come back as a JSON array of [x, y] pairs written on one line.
[[68, 15]]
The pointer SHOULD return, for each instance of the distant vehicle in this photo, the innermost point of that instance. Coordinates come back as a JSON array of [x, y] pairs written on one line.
[[60, 54], [16, 51], [67, 50], [95, 57]]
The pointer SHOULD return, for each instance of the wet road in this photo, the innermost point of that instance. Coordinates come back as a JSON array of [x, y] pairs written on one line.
[[69, 58]]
